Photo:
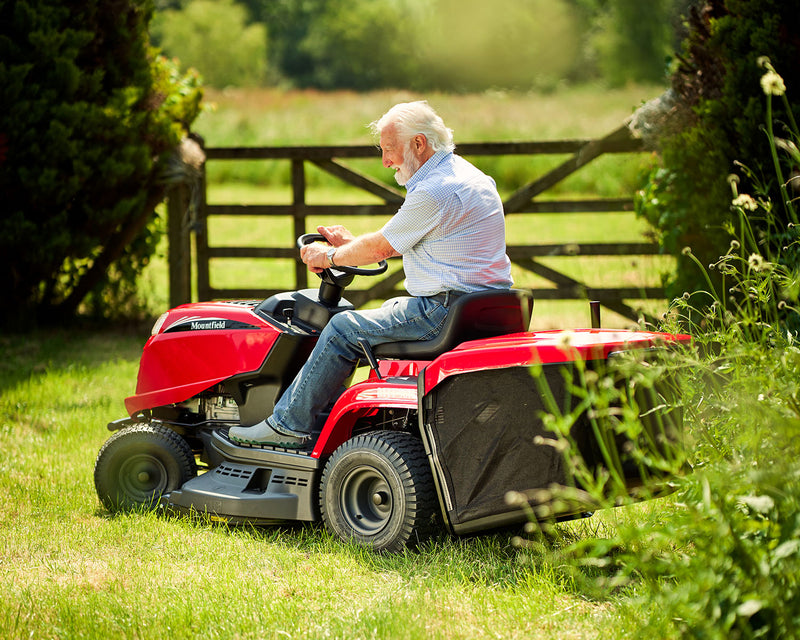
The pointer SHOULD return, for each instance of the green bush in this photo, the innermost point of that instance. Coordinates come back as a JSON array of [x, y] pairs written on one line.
[[721, 558], [88, 115], [724, 561], [718, 122]]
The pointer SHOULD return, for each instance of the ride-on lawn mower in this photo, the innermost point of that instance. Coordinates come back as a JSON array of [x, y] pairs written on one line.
[[435, 436]]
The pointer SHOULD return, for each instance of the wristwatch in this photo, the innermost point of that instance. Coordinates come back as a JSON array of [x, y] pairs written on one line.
[[329, 254]]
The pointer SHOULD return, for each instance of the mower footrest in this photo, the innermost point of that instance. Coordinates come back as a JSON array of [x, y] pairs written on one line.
[[239, 492]]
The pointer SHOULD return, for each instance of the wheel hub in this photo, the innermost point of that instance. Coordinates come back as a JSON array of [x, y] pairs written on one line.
[[366, 500], [143, 476]]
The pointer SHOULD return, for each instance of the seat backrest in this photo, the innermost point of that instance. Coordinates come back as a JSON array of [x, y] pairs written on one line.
[[482, 314]]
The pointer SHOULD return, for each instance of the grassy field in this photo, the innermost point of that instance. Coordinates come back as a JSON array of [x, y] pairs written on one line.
[[273, 117], [718, 559], [71, 570]]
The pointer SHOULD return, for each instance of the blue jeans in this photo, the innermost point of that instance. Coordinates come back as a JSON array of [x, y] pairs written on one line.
[[335, 355]]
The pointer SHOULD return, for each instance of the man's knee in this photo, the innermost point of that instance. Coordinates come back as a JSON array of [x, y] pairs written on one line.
[[343, 323]]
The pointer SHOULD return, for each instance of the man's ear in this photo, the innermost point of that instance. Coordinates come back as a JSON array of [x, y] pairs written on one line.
[[420, 143]]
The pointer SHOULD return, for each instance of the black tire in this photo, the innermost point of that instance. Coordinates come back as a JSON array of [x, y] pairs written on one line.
[[377, 490], [140, 463]]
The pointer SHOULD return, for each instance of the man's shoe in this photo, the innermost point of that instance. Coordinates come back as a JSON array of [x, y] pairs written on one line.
[[263, 433]]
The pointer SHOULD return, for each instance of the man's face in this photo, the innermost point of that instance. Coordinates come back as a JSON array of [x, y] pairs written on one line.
[[398, 155]]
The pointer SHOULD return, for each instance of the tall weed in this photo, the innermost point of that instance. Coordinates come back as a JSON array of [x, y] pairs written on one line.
[[724, 560]]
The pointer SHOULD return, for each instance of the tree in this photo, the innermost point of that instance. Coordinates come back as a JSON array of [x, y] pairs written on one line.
[[360, 44], [214, 36], [288, 22], [89, 115], [717, 125]]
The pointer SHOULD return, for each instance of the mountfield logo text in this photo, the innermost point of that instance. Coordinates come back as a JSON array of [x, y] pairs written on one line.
[[208, 324]]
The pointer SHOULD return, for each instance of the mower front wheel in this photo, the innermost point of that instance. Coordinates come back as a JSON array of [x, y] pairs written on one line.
[[377, 490], [139, 464]]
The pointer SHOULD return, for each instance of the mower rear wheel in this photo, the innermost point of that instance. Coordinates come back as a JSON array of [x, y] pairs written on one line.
[[140, 463], [377, 490]]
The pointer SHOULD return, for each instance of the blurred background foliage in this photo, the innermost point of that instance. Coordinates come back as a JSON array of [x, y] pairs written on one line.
[[445, 45], [215, 36], [90, 111]]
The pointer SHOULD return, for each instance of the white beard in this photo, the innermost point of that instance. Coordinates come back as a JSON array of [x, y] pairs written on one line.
[[409, 167]]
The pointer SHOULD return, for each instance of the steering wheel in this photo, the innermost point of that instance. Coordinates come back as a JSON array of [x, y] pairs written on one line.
[[308, 238]]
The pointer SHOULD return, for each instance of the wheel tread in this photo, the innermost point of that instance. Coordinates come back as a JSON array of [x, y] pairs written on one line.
[[107, 485], [406, 454]]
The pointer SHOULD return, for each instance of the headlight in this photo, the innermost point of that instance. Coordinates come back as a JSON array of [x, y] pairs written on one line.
[[159, 323]]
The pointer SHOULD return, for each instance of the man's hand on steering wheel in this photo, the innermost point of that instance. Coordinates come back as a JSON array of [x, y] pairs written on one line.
[[336, 235], [315, 255]]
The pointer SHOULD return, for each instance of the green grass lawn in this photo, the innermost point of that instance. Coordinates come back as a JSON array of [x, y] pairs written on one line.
[[69, 569]]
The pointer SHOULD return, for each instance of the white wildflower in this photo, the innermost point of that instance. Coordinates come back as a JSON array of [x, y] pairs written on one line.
[[565, 340], [772, 84], [746, 202], [760, 504], [757, 263]]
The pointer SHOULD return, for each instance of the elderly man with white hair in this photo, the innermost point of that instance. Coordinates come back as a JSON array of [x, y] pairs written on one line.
[[450, 232]]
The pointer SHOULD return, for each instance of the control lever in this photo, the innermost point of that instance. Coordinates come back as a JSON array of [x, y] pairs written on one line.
[[371, 359]]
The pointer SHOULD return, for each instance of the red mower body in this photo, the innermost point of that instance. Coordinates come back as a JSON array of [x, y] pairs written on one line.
[[196, 347], [464, 415]]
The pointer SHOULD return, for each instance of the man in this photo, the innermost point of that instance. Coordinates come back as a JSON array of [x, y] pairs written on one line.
[[450, 232]]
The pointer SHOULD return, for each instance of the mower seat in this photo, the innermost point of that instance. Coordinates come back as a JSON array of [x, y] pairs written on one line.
[[482, 314]]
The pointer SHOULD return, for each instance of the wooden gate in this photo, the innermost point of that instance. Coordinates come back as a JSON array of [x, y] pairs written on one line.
[[329, 158]]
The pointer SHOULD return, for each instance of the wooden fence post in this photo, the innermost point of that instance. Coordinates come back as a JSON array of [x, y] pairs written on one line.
[[201, 241], [180, 248], [299, 216]]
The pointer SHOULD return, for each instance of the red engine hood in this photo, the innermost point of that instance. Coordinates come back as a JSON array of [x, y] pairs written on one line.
[[197, 346]]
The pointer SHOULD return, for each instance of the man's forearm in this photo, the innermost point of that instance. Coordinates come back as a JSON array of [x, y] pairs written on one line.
[[366, 249]]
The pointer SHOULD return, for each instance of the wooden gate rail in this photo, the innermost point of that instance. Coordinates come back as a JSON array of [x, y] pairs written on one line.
[[521, 201]]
